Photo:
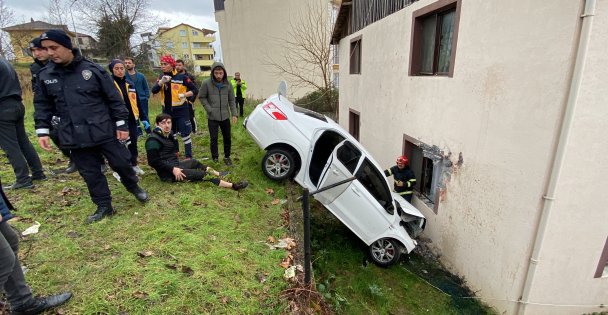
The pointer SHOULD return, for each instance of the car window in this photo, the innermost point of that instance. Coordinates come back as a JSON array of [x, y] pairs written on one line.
[[373, 180], [309, 113], [349, 155], [321, 152]]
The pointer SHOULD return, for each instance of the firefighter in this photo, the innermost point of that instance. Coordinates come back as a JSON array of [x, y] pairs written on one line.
[[404, 178]]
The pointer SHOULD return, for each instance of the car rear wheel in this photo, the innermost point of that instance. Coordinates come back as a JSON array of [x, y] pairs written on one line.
[[385, 252], [278, 164]]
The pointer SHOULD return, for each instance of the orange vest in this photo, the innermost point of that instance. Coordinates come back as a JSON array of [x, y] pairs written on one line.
[[132, 98]]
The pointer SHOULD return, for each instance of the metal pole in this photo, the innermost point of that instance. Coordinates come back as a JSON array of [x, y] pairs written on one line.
[[74, 26], [307, 253]]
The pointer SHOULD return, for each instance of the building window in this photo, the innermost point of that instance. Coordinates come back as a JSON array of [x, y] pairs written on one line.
[[194, 33], [602, 267], [353, 123], [434, 37], [355, 55], [80, 41], [169, 44], [182, 33], [184, 45], [197, 45], [426, 167]]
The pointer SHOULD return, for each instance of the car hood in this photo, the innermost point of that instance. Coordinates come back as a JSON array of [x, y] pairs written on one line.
[[406, 206]]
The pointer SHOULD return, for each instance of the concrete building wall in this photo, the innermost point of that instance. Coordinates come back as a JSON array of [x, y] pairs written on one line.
[[250, 33], [502, 110]]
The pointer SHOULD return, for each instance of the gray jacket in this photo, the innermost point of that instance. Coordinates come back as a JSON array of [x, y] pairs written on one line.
[[217, 97]]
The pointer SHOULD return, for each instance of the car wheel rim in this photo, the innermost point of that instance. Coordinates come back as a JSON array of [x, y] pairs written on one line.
[[277, 165], [383, 251]]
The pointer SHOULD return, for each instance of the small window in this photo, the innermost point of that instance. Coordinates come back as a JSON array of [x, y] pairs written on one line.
[[349, 155], [194, 33], [197, 45], [602, 267], [182, 33], [169, 44], [426, 168], [353, 123], [184, 45], [80, 41], [355, 56], [434, 35]]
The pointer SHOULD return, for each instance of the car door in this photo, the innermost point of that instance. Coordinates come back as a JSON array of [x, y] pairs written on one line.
[[352, 202]]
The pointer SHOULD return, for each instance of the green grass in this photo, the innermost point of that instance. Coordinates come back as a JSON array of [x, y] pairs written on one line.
[[195, 248]]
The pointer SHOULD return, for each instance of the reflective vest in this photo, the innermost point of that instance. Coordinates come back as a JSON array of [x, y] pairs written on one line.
[[132, 98]]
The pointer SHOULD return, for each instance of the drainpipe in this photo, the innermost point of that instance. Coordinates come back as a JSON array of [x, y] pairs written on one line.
[[560, 152]]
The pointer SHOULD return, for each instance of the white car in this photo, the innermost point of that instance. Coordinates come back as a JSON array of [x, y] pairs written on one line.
[[316, 152]]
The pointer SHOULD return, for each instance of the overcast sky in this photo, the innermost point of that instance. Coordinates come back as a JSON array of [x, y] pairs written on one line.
[[198, 13]]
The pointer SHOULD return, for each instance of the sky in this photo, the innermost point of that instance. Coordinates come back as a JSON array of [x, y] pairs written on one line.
[[198, 13]]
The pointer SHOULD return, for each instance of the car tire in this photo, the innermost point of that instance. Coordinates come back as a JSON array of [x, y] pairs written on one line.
[[385, 252], [278, 164]]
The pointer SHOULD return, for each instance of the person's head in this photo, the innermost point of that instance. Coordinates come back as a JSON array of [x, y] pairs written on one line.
[[118, 68], [218, 74], [179, 66], [38, 52], [167, 64], [58, 45], [237, 75], [163, 121], [129, 63], [402, 161]]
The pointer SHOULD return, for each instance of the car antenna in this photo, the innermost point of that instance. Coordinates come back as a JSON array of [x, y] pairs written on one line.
[[282, 90]]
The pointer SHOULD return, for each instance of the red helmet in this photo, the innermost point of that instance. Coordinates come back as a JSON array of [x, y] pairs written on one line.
[[403, 160]]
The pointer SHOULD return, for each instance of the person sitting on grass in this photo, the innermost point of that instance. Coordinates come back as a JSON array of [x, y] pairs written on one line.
[[162, 151]]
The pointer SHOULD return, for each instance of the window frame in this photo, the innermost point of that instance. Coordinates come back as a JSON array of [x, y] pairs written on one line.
[[409, 145], [441, 6], [184, 45], [354, 127], [183, 33], [354, 62], [603, 263]]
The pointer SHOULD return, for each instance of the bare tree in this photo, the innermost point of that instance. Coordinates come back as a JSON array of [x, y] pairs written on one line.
[[58, 12], [307, 57], [6, 18]]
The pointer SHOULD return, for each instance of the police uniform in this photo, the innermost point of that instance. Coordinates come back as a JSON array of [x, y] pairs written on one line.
[[406, 177], [90, 109]]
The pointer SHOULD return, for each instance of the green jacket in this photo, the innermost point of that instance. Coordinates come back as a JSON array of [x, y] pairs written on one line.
[[243, 87], [218, 97]]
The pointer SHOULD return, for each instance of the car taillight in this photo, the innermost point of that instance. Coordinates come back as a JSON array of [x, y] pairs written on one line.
[[274, 111]]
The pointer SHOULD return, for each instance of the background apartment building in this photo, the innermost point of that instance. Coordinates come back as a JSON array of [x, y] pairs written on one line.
[[501, 107], [251, 33], [186, 42]]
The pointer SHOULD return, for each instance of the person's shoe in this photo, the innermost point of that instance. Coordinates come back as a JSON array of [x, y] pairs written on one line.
[[228, 161], [240, 185], [40, 177], [139, 193], [41, 304], [100, 213], [138, 171], [71, 167], [215, 159], [26, 185], [224, 173]]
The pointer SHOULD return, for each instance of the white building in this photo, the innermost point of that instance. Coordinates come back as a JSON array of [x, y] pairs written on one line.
[[501, 107]]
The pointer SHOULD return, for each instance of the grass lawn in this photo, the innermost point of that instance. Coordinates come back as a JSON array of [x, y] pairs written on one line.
[[195, 248]]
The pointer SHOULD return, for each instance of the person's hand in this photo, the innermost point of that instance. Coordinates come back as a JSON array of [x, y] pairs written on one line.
[[181, 96], [146, 124], [164, 79], [122, 135], [238, 83], [399, 183], [234, 119], [179, 175], [45, 143]]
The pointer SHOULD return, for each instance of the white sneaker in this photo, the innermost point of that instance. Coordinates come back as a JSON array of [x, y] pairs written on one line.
[[116, 176], [138, 171]]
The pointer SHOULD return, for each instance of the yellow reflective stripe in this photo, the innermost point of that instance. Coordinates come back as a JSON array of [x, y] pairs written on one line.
[[412, 180], [406, 192]]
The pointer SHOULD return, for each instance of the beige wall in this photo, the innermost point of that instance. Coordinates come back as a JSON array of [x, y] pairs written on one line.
[[249, 32], [502, 110]]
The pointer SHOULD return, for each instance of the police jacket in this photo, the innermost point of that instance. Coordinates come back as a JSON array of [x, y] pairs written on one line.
[[84, 97], [405, 180], [162, 152], [35, 68]]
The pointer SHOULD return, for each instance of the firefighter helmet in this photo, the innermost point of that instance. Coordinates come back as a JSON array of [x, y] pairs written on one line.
[[403, 160]]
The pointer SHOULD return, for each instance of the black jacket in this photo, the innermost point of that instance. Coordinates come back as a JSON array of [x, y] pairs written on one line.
[[162, 153], [84, 97], [405, 175], [35, 68], [10, 89]]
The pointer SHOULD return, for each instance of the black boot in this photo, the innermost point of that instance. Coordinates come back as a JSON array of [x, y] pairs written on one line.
[[41, 304], [100, 213], [240, 185], [71, 167], [139, 193]]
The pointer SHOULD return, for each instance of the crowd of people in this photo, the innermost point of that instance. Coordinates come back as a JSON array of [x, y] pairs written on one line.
[[95, 117]]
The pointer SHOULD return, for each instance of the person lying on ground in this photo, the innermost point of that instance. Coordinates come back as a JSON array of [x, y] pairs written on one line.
[[162, 151]]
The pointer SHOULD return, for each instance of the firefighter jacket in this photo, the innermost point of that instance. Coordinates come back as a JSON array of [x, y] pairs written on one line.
[[83, 96], [404, 179]]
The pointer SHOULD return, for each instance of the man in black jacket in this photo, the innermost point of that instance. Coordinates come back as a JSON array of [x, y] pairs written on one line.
[[92, 119], [41, 58], [13, 138]]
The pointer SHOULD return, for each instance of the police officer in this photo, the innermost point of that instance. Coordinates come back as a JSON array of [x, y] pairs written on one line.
[[404, 177], [41, 58], [92, 119]]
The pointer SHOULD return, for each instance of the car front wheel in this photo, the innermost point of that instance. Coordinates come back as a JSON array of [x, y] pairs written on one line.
[[385, 252], [278, 164]]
